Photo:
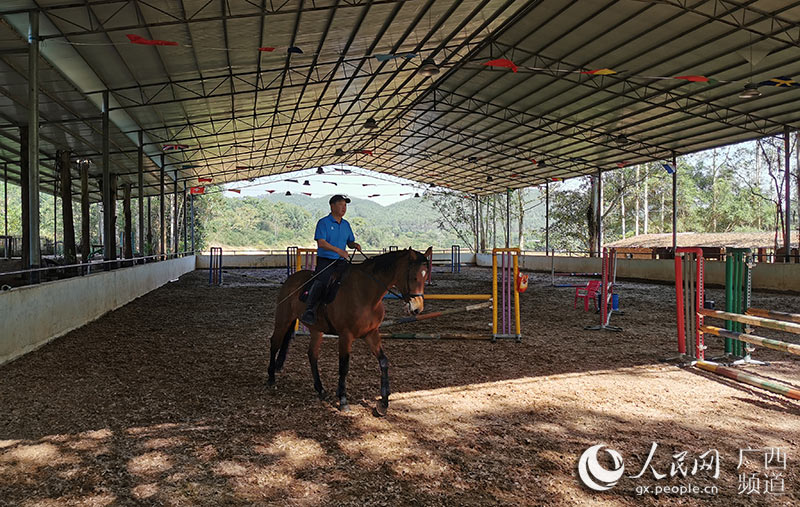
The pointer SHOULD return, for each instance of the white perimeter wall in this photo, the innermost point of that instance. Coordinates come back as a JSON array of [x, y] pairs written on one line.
[[32, 316], [782, 277]]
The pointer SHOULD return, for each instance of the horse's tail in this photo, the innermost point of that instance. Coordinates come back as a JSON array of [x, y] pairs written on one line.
[[287, 338]]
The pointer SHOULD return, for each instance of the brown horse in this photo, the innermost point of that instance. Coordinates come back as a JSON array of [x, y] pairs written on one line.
[[357, 311]]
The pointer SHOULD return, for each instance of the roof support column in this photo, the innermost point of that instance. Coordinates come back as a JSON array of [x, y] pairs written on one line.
[[674, 203], [599, 212], [127, 240], [787, 201], [191, 204], [162, 231], [5, 211], [86, 247], [141, 193], [176, 232], [108, 200], [70, 254], [150, 249], [185, 222], [547, 218], [32, 245], [508, 217]]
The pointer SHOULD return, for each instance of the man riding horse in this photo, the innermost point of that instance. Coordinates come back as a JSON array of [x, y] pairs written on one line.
[[333, 235]]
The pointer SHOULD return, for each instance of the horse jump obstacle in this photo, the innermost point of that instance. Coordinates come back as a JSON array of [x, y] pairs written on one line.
[[215, 266], [291, 255], [609, 277], [455, 259], [689, 287]]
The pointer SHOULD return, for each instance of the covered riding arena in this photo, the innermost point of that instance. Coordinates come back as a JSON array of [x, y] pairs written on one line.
[[141, 383]]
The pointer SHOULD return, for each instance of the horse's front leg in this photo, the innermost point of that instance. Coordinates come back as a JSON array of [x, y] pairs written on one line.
[[373, 339], [345, 347], [313, 356]]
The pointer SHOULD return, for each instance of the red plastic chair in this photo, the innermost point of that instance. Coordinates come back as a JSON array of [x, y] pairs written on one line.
[[589, 292]]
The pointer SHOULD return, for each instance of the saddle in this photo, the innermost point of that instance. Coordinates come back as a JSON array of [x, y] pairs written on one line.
[[331, 289]]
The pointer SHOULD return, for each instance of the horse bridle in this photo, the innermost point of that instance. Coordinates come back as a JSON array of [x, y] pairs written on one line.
[[405, 297]]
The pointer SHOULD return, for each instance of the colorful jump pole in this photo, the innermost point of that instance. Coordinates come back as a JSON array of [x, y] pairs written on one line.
[[509, 269], [772, 314], [609, 277], [426, 316], [740, 376], [791, 348]]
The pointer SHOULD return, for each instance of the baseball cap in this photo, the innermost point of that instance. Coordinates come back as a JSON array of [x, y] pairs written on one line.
[[339, 197]]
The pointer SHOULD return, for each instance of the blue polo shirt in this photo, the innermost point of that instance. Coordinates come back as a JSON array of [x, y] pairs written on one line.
[[335, 233]]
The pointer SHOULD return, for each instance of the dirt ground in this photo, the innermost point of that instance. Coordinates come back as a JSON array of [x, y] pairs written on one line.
[[164, 402]]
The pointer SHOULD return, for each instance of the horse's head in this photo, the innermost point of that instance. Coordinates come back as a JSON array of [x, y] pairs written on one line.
[[413, 286]]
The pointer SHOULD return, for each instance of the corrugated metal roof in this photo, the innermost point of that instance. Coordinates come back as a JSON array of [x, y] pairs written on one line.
[[678, 70]]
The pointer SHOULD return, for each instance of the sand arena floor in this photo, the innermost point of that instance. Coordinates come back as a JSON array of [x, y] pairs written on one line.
[[164, 402]]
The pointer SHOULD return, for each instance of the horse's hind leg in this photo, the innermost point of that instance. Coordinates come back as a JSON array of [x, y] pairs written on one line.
[[279, 345], [313, 355], [373, 339]]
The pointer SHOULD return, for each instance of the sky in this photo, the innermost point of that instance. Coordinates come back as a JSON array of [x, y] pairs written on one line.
[[359, 183]]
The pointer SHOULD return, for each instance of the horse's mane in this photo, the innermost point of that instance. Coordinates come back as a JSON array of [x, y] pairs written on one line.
[[386, 262]]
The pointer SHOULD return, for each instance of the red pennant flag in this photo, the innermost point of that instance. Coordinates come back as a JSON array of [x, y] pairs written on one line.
[[695, 79], [293, 181], [236, 190], [555, 179], [534, 161], [514, 175], [620, 164], [502, 62], [197, 190], [306, 193], [266, 49], [270, 191], [205, 180], [367, 184], [364, 152], [241, 167], [331, 182], [138, 39], [173, 147], [373, 195]]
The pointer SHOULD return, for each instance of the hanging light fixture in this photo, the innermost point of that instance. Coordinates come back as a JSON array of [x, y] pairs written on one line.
[[288, 193], [307, 183], [339, 152], [750, 91], [416, 194], [489, 178], [428, 67], [370, 124], [621, 139], [320, 171]]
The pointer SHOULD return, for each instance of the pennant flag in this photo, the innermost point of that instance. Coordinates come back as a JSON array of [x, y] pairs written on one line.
[[384, 57], [189, 166], [205, 180], [401, 195], [173, 147], [695, 79], [331, 182], [368, 184], [197, 190], [241, 167], [270, 191], [515, 175], [668, 168], [779, 82], [534, 161], [138, 39], [295, 49], [599, 72], [502, 62], [306, 193], [555, 179], [364, 152], [266, 49], [235, 190], [293, 181], [373, 195]]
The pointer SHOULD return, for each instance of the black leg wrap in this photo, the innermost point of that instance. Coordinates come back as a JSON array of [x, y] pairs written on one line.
[[384, 363]]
